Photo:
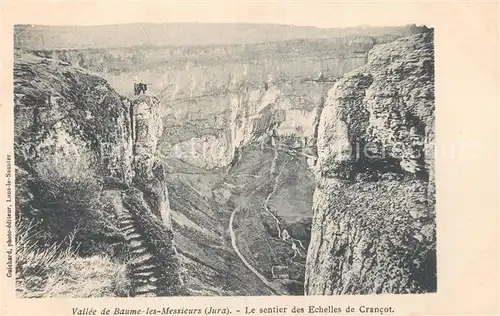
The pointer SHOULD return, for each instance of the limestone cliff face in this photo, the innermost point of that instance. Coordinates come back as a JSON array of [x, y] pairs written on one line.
[[149, 172], [67, 113], [70, 114], [81, 148], [287, 111], [373, 229], [203, 89], [211, 110]]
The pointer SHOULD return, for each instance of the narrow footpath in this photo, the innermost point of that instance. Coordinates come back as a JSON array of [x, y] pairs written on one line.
[[144, 266]]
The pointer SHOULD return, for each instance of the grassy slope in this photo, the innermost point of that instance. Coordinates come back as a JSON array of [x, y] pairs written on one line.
[[56, 271], [200, 227]]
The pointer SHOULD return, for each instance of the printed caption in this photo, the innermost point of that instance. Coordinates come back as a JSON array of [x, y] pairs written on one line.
[[246, 310], [8, 219]]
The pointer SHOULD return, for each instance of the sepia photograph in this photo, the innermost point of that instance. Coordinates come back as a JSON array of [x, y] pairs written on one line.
[[223, 159]]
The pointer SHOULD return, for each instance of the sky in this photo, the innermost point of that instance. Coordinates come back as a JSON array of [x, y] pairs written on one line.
[[302, 13]]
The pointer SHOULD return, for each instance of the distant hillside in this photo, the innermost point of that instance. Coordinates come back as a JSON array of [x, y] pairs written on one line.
[[38, 37]]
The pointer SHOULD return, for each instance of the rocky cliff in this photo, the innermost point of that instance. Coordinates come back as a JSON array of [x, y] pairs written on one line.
[[86, 168], [215, 99], [225, 160], [287, 111], [185, 35], [373, 229]]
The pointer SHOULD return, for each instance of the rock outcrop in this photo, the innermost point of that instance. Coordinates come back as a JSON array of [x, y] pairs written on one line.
[[207, 132], [217, 98], [373, 229], [86, 161], [287, 111], [237, 127], [203, 91]]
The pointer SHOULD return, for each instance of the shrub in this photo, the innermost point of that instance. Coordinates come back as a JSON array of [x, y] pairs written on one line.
[[67, 194]]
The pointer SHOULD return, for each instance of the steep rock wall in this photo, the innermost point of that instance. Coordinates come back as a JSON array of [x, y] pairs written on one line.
[[149, 172], [203, 89], [69, 113], [179, 73], [79, 146], [288, 111], [373, 229]]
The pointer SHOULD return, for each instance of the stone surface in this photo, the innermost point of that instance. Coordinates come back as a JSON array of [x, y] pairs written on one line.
[[373, 229]]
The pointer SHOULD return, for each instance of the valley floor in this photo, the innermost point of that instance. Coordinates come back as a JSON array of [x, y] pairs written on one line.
[[229, 225]]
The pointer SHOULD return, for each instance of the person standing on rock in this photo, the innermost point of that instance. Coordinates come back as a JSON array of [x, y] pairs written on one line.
[[143, 87], [139, 86]]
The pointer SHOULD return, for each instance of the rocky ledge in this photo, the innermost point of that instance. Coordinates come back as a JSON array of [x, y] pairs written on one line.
[[373, 229], [87, 175]]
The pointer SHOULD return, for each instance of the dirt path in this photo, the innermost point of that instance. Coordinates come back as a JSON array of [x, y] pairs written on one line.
[[291, 239], [276, 289]]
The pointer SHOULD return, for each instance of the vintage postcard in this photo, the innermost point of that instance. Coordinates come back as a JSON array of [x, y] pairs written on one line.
[[266, 158]]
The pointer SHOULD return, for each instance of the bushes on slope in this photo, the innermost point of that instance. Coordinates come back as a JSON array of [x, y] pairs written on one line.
[[66, 199]]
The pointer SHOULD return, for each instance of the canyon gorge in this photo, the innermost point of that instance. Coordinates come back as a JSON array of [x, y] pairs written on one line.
[[239, 171]]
